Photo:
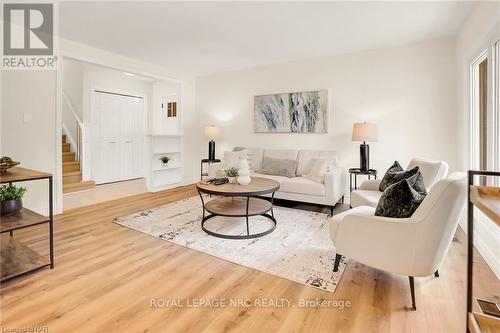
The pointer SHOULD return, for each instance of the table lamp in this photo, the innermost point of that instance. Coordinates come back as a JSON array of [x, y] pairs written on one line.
[[212, 133], [365, 132]]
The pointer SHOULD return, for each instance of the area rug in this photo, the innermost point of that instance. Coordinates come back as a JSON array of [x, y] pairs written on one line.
[[299, 249]]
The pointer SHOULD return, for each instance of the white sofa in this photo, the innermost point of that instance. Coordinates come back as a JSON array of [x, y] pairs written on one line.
[[369, 194], [414, 246], [299, 188]]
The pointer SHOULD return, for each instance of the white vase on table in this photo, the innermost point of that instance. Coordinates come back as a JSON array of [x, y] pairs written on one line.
[[244, 171]]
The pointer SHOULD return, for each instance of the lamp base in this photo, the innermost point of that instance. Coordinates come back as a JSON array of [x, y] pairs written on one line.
[[211, 150], [364, 157]]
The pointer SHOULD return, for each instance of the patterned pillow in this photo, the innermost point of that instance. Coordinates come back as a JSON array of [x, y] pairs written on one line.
[[399, 200], [396, 174]]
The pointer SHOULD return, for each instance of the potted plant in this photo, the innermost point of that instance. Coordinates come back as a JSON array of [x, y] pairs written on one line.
[[10, 199], [231, 175], [165, 160]]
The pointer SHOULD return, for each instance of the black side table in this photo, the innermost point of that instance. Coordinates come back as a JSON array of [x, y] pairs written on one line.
[[356, 172], [207, 161]]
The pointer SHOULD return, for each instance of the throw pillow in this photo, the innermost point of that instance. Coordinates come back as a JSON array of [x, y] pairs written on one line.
[[279, 167], [396, 174], [232, 158], [399, 200], [396, 167], [317, 171]]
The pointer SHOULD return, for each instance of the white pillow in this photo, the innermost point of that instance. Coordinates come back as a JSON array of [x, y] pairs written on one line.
[[318, 170], [232, 158]]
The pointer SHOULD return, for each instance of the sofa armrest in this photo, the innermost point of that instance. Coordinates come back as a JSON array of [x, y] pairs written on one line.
[[370, 185], [214, 169], [335, 184]]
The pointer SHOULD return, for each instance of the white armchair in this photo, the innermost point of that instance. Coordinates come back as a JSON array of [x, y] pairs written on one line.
[[369, 195], [414, 246]]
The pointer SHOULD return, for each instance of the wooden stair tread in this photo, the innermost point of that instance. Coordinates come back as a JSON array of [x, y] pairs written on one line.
[[72, 173], [80, 183], [79, 186]]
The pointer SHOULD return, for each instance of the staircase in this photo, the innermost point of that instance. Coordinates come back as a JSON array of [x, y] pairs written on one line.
[[72, 175]]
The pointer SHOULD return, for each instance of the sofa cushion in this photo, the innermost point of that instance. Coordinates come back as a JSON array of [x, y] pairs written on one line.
[[399, 200], [305, 158], [279, 179], [396, 174], [302, 185], [365, 198], [279, 167]]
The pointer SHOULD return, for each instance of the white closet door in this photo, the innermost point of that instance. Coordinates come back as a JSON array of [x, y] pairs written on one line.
[[119, 137]]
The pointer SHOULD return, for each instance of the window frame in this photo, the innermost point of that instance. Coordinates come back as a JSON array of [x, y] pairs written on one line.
[[491, 52]]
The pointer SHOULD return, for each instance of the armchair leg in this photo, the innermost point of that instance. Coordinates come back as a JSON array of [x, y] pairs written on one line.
[[331, 211], [436, 273], [342, 199], [336, 262], [412, 290]]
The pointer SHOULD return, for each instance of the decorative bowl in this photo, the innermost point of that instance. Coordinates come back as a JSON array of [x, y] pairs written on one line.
[[5, 166]]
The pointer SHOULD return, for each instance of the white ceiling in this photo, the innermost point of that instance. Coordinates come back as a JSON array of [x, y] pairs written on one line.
[[207, 37]]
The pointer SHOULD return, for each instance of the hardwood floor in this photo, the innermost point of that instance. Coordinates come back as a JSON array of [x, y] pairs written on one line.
[[106, 276]]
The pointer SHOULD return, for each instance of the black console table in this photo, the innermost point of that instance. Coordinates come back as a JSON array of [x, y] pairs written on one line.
[[482, 315], [206, 161], [355, 172]]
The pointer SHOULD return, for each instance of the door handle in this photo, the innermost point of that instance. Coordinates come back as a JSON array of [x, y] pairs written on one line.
[[112, 141], [128, 141]]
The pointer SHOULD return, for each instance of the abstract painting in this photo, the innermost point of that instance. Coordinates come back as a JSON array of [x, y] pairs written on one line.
[[300, 112]]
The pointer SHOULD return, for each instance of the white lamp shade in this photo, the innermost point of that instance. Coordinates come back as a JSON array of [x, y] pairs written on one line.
[[212, 132], [364, 132]]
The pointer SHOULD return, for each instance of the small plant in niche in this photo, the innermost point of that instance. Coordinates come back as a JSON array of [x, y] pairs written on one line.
[[10, 199], [231, 174], [164, 159]]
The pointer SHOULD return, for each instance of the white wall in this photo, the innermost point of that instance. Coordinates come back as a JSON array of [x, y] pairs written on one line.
[[72, 78], [475, 36], [28, 127], [408, 91]]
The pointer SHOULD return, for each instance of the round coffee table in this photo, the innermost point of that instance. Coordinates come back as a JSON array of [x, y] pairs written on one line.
[[239, 201]]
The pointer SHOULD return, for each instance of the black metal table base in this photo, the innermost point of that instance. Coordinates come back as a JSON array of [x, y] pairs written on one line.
[[246, 215], [247, 236]]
